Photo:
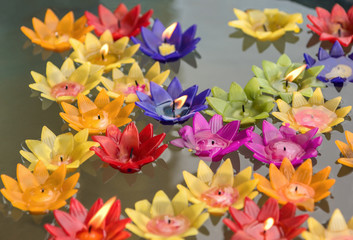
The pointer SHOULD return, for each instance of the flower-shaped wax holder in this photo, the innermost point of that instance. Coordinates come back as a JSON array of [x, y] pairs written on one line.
[[167, 44], [221, 190], [283, 78], [337, 228], [165, 218], [97, 115], [246, 105], [266, 25], [135, 80], [130, 150], [66, 83], [102, 221], [304, 114], [212, 141], [346, 150], [276, 144], [53, 151], [337, 67], [121, 22], [268, 222], [173, 105], [104, 52], [299, 187], [54, 34], [39, 192], [333, 26]]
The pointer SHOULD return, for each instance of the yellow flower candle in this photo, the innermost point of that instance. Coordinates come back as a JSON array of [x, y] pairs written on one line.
[[221, 190], [104, 51], [39, 192]]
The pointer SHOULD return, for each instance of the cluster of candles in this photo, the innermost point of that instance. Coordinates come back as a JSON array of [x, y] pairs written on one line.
[[42, 186]]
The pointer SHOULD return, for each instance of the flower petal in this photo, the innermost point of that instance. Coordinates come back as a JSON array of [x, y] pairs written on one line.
[[224, 175], [304, 173], [161, 205], [278, 180]]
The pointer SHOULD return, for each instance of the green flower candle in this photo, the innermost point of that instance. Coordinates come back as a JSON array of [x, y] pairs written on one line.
[[284, 77], [246, 105]]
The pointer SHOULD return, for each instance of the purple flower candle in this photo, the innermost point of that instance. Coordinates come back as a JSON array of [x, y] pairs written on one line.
[[211, 141], [167, 44], [276, 144], [338, 68]]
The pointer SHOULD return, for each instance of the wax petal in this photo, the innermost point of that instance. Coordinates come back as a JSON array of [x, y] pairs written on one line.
[[161, 205], [278, 180], [196, 186], [159, 95], [269, 209]]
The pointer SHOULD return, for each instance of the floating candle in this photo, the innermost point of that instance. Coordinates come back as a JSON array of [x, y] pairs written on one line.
[[39, 192], [167, 44], [304, 114], [268, 223], [103, 52], [277, 144], [165, 218], [54, 34], [97, 115], [101, 222], [246, 105], [66, 83], [130, 150], [299, 187], [212, 141], [221, 190], [266, 25], [121, 22], [128, 85], [346, 150], [53, 151], [173, 105], [334, 26], [284, 77], [338, 68]]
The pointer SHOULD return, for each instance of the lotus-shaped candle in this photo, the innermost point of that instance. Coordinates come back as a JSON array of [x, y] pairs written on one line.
[[299, 187], [246, 105], [130, 150], [304, 114], [337, 228], [284, 77], [221, 190], [276, 144], [212, 141], [127, 85], [66, 83], [173, 105], [334, 26], [102, 221], [97, 115], [54, 34], [346, 150], [121, 22], [166, 219], [167, 44], [39, 192], [269, 222], [337, 67], [104, 52], [266, 25], [53, 151]]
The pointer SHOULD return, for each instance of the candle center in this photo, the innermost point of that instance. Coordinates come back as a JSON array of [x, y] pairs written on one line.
[[220, 197], [341, 70], [90, 234], [40, 195], [298, 192], [103, 56], [96, 119], [313, 117], [166, 49], [173, 109], [124, 87], [207, 141], [279, 149], [61, 159], [167, 226], [66, 89], [341, 235], [258, 231]]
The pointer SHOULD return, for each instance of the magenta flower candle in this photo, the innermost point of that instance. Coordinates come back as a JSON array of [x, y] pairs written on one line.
[[211, 141], [276, 144]]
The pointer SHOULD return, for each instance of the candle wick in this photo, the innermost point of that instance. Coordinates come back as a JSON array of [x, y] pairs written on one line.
[[243, 108], [99, 116], [312, 116], [264, 26], [339, 32], [212, 142], [136, 83], [66, 87], [284, 148], [165, 40], [219, 193], [103, 57], [296, 188], [42, 190], [61, 158], [89, 228], [286, 83], [173, 108], [119, 26], [132, 149]]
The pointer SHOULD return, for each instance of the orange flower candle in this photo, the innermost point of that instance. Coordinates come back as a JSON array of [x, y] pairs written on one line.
[[346, 150], [39, 192]]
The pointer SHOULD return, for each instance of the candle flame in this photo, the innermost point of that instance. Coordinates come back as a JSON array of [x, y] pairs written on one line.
[[268, 223], [179, 102], [98, 219], [169, 31], [104, 49], [295, 73]]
